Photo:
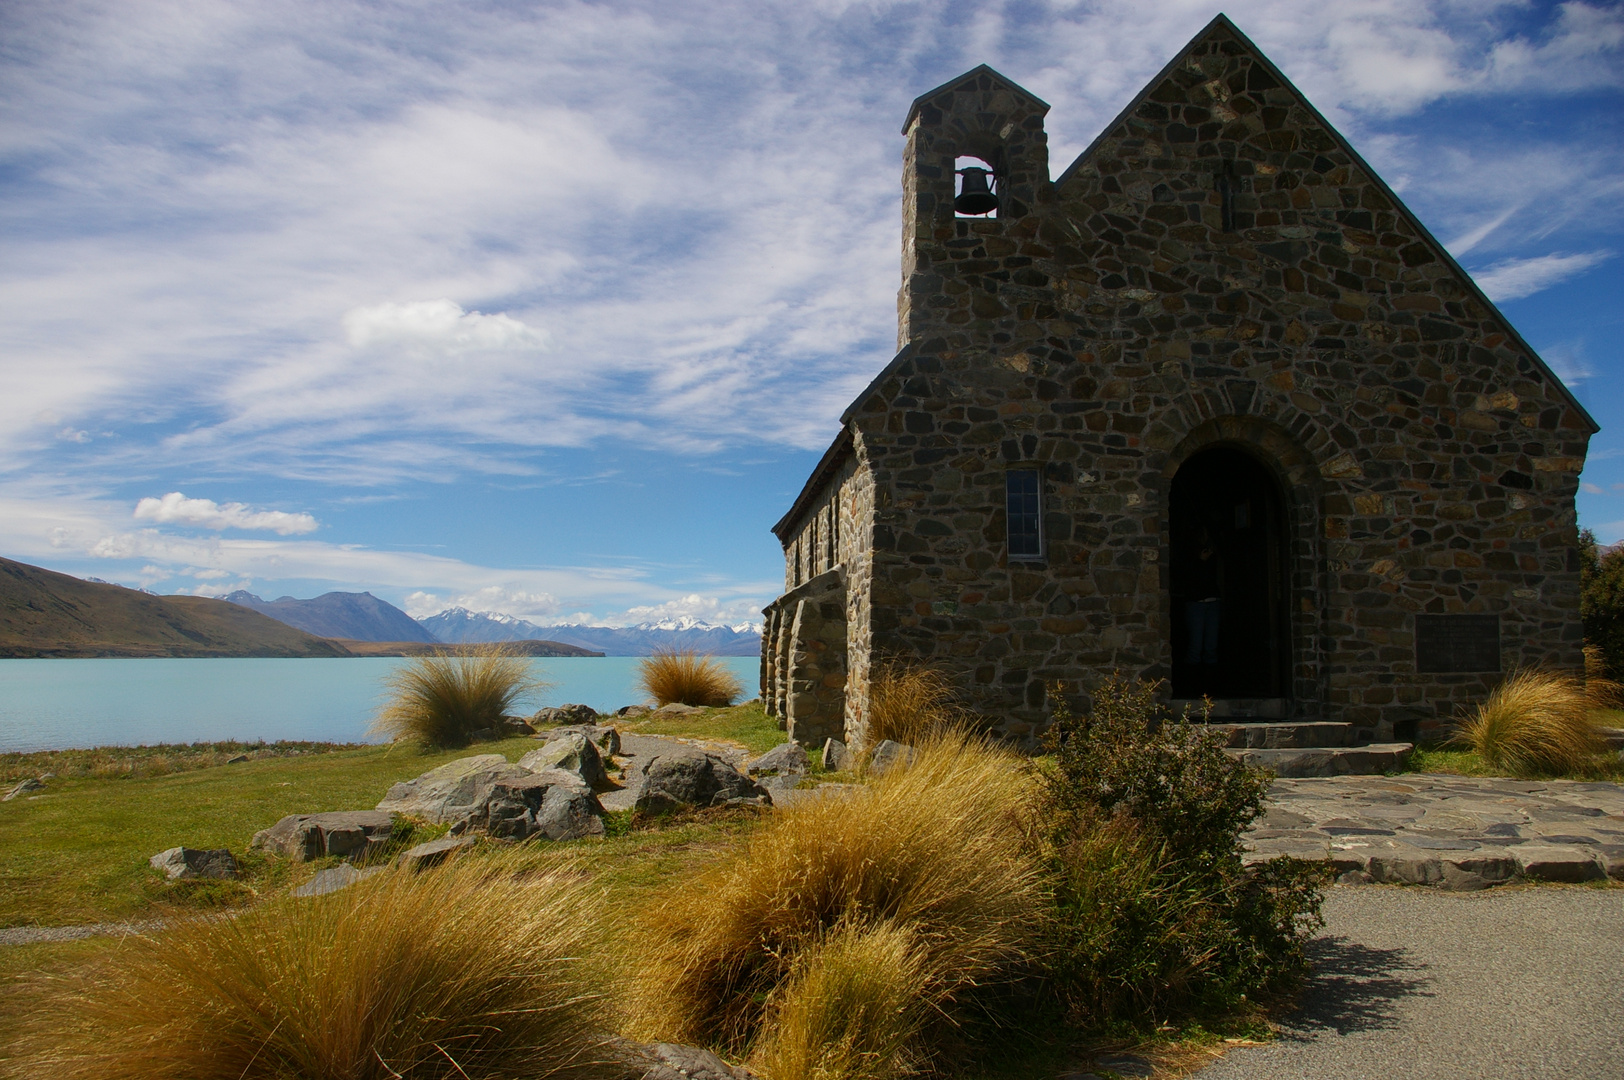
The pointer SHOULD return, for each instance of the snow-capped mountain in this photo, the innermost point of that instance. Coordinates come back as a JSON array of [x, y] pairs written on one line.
[[458, 625]]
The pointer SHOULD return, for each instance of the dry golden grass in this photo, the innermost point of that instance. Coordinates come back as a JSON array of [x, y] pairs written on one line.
[[1533, 723], [683, 676], [918, 885], [911, 703], [467, 972], [851, 1008], [447, 698]]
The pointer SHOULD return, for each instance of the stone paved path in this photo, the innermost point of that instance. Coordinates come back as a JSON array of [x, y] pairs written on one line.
[[1456, 832], [1416, 984]]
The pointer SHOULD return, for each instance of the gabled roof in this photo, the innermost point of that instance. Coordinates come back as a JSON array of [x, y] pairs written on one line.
[[1221, 22], [953, 83]]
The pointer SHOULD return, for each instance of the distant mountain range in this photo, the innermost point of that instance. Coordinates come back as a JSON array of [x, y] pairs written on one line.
[[461, 625], [357, 616], [43, 613]]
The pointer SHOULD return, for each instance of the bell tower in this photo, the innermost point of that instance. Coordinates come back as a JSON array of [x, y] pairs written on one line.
[[988, 119]]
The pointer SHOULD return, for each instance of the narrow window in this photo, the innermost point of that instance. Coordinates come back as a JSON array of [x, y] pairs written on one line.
[[1024, 512]]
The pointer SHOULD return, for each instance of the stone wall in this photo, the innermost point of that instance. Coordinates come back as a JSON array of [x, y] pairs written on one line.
[[807, 687], [1216, 270]]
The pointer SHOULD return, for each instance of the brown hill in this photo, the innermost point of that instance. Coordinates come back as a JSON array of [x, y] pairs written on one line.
[[533, 647], [43, 613]]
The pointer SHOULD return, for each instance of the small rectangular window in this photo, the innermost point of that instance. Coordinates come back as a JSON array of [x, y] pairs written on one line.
[[1024, 511]]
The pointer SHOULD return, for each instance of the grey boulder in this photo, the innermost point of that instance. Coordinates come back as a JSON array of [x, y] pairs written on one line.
[[565, 714], [605, 738], [184, 863], [687, 777], [570, 752], [434, 852], [677, 708], [673, 1061], [890, 755], [343, 833], [452, 792], [785, 759], [836, 757], [335, 878], [633, 710], [552, 804]]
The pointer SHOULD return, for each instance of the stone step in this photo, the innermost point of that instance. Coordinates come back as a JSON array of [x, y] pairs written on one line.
[[1369, 760], [1275, 735]]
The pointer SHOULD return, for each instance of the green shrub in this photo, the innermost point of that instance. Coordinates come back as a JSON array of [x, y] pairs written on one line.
[[1601, 602], [683, 676], [446, 699], [1140, 828]]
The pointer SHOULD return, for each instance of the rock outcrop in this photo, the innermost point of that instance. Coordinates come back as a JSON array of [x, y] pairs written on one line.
[[685, 777], [348, 834], [184, 863]]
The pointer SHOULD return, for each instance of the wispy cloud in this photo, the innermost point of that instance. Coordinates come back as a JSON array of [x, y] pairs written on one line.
[[176, 509], [348, 246], [1514, 279]]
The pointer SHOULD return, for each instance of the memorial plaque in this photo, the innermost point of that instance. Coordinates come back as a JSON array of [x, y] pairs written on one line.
[[1445, 643]]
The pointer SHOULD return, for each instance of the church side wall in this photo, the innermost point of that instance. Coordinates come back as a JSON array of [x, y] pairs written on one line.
[[836, 531]]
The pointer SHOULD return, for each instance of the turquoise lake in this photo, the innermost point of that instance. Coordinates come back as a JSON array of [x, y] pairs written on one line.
[[59, 704]]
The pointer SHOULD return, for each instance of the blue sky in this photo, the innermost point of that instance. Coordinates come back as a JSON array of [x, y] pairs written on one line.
[[548, 309]]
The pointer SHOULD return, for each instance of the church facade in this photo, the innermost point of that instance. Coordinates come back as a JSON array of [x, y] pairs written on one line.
[[1215, 362]]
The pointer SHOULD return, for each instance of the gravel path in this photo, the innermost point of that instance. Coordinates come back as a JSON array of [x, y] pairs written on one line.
[[1420, 984], [34, 935]]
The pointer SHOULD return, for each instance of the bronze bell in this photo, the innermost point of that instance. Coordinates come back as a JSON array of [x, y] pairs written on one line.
[[975, 198]]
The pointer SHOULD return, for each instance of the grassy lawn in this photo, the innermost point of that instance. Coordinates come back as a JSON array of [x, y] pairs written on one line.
[[747, 724], [77, 852], [1457, 762]]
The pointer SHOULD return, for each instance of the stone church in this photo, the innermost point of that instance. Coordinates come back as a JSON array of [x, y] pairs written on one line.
[[1212, 407]]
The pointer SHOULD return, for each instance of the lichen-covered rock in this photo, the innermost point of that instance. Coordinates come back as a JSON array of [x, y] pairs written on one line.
[[453, 791], [571, 752], [565, 714], [786, 758], [335, 878], [184, 863], [687, 777], [341, 833], [553, 804], [673, 1061], [434, 852], [890, 755]]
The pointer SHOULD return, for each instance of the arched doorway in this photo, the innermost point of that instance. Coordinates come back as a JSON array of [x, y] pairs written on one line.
[[1228, 528]]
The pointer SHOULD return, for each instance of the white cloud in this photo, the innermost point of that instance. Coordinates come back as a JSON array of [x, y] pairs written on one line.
[[438, 324], [176, 509], [1513, 279], [1569, 359]]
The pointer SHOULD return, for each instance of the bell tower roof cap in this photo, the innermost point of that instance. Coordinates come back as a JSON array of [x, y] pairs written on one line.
[[952, 84]]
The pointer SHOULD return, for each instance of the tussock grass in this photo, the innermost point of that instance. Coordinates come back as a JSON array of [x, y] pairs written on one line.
[[470, 972], [448, 698], [850, 1009], [849, 932], [685, 677], [1535, 722], [911, 703]]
